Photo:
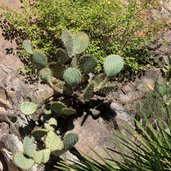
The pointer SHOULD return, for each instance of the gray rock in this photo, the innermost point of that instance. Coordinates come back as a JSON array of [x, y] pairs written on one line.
[[122, 116], [12, 143]]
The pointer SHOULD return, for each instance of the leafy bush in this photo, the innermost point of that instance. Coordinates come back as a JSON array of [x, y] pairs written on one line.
[[115, 27]]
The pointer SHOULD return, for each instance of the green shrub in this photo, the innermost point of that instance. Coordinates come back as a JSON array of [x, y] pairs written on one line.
[[114, 26]]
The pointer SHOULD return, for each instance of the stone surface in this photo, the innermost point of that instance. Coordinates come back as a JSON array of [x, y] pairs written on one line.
[[12, 143]]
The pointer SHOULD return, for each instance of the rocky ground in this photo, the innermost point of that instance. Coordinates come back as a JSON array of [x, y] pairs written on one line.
[[94, 133]]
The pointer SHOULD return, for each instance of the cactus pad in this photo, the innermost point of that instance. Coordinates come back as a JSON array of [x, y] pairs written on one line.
[[46, 75], [40, 60], [106, 90], [67, 90], [68, 111], [89, 91], [53, 142], [68, 42], [57, 107], [70, 140], [46, 109], [57, 70], [51, 124], [98, 81], [39, 133], [113, 64], [80, 42], [21, 161], [61, 56], [28, 108], [27, 46], [42, 156], [72, 77], [29, 146], [87, 64]]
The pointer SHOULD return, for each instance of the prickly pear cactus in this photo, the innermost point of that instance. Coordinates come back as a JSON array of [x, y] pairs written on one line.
[[53, 142], [22, 162], [51, 124], [70, 140], [61, 56], [68, 42], [72, 77], [87, 64], [47, 109], [89, 91], [57, 70], [39, 133], [40, 60], [42, 156], [105, 90], [27, 46], [80, 42], [28, 108], [113, 64], [57, 107], [46, 75], [29, 146], [68, 111]]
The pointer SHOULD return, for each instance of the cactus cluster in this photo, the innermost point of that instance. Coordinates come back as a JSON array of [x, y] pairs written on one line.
[[70, 75], [52, 142], [70, 67]]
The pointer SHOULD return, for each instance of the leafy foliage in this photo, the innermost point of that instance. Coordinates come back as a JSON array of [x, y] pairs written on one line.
[[119, 27]]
